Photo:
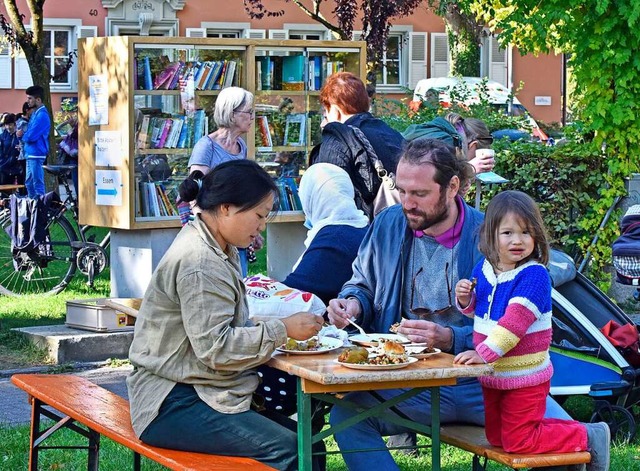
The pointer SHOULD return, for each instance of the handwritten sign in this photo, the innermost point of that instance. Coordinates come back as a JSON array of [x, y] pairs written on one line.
[[108, 146], [109, 187]]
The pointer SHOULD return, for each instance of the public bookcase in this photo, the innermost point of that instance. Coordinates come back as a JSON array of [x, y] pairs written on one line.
[[145, 101]]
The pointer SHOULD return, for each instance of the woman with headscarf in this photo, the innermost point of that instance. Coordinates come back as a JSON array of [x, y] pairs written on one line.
[[336, 228]]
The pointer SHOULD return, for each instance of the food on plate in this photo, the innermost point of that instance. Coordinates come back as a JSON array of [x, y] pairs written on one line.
[[474, 282], [394, 328], [389, 347], [309, 345], [354, 355]]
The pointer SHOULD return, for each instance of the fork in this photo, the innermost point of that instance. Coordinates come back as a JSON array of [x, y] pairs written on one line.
[[360, 329]]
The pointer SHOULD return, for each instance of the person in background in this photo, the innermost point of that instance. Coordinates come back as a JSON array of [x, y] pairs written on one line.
[[475, 135], [407, 267], [233, 114], [10, 168], [289, 163], [511, 307], [336, 228], [194, 350], [35, 141], [345, 103]]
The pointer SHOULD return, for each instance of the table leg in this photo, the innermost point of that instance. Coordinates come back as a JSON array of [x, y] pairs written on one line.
[[304, 430], [435, 429]]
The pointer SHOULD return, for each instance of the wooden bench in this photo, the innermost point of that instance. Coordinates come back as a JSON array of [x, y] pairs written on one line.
[[104, 413], [472, 438]]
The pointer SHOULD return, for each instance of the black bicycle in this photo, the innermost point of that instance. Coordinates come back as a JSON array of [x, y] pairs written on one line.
[[67, 247]]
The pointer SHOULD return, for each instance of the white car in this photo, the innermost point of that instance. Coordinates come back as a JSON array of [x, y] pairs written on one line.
[[469, 87]]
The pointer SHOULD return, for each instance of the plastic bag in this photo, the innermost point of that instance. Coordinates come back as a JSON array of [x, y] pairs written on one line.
[[626, 340], [268, 298]]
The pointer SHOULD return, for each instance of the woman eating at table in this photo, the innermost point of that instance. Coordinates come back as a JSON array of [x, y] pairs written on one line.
[[195, 350]]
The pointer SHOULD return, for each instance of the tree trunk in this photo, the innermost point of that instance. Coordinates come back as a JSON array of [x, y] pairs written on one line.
[[464, 34]]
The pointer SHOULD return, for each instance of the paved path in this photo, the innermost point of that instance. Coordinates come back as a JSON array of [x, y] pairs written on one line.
[[15, 410]]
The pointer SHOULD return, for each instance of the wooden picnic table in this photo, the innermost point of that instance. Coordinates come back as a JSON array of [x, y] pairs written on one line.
[[320, 376]]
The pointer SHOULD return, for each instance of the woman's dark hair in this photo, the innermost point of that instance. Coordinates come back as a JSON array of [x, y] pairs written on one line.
[[242, 183], [523, 207]]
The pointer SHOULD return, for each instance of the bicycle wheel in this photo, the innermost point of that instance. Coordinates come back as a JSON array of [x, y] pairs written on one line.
[[47, 270]]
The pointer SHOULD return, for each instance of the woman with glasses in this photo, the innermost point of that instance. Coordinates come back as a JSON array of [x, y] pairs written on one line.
[[474, 135], [233, 114]]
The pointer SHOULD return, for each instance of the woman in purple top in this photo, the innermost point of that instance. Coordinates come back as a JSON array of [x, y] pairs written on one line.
[[233, 114]]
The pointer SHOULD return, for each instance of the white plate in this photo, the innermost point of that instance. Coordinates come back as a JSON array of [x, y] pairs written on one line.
[[365, 366], [327, 344], [371, 340], [414, 352]]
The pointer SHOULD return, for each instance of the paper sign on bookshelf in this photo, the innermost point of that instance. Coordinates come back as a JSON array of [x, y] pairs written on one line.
[[294, 132]]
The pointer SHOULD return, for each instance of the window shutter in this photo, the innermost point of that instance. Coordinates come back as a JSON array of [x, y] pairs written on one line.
[[254, 33], [278, 34], [417, 58], [86, 31], [196, 32], [439, 55], [6, 63], [23, 78], [497, 62]]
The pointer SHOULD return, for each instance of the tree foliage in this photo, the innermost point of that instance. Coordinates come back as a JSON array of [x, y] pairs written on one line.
[[377, 17], [601, 38]]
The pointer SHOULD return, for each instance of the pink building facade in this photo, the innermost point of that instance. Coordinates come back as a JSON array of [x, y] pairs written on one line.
[[417, 46]]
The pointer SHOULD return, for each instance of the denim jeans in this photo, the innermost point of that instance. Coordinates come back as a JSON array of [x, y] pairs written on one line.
[[460, 403], [187, 423], [35, 177]]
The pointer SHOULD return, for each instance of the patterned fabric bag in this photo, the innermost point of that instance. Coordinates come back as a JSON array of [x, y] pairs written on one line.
[[626, 248]]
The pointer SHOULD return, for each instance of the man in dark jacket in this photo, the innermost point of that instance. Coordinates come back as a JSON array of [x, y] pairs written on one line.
[[345, 103]]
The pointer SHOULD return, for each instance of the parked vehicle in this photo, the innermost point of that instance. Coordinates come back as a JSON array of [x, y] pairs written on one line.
[[470, 91]]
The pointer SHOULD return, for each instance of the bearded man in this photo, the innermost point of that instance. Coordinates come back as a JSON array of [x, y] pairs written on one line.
[[407, 266]]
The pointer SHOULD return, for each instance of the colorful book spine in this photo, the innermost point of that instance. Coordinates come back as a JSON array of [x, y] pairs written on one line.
[[148, 81]]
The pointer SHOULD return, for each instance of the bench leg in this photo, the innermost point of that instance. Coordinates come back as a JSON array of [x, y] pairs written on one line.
[[136, 461], [477, 465], [94, 451], [36, 405]]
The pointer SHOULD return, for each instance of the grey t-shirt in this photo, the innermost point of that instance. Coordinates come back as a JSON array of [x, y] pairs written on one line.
[[209, 153]]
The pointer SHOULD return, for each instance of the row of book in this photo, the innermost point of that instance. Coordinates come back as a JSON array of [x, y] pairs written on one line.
[[288, 72], [153, 200], [159, 73], [164, 131], [288, 198]]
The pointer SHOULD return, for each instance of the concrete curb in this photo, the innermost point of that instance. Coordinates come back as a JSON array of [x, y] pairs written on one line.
[[74, 367]]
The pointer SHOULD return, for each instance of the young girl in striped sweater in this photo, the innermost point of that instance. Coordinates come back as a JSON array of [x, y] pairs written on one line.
[[511, 306]]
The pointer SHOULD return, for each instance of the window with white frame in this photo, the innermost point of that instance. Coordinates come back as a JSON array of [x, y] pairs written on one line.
[[390, 71], [213, 29], [57, 45], [5, 62]]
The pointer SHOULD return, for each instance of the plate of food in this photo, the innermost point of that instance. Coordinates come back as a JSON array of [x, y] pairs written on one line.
[[388, 356], [312, 346], [421, 352], [371, 340]]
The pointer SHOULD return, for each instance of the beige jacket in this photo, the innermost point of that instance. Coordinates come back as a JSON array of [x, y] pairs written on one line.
[[193, 327]]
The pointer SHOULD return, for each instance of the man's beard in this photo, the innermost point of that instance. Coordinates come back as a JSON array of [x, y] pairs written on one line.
[[439, 214]]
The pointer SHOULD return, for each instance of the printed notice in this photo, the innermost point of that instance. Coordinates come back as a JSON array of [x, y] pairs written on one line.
[[108, 148], [98, 100], [108, 187]]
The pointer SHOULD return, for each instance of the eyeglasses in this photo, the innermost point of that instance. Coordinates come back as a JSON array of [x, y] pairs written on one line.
[[423, 312], [250, 112]]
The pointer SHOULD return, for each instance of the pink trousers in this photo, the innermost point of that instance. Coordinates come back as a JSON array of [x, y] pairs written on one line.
[[514, 420]]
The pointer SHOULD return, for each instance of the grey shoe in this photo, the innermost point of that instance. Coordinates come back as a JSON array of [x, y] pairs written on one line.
[[598, 439]]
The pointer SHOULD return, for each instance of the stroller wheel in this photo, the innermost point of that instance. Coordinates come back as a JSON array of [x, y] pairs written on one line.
[[619, 419]]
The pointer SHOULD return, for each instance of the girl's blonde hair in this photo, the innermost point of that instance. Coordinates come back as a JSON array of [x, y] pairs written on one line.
[[524, 208]]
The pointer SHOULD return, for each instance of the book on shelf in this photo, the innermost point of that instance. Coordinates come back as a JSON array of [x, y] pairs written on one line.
[[288, 197], [166, 129], [216, 69], [184, 131], [175, 81], [294, 131], [148, 80], [176, 129], [230, 73], [315, 72], [293, 72], [163, 80], [267, 69], [292, 189], [265, 142], [283, 199]]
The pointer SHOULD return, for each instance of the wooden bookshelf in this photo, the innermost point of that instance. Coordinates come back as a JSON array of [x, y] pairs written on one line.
[[114, 98]]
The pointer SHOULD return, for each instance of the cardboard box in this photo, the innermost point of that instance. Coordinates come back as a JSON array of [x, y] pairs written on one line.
[[92, 314]]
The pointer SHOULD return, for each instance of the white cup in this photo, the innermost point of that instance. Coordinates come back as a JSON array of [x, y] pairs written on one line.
[[485, 154]]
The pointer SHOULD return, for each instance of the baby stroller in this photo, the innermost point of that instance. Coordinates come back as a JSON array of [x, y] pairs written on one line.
[[584, 360]]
